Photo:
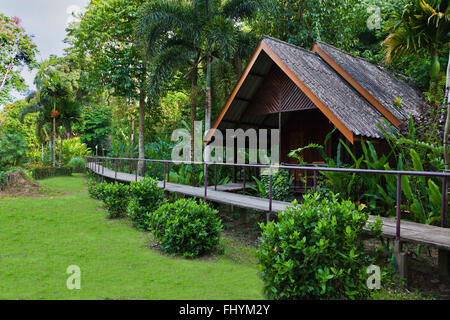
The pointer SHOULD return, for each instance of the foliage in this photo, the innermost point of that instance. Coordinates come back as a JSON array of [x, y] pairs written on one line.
[[423, 25], [47, 172], [12, 149], [186, 227], [96, 189], [116, 197], [314, 251], [77, 164], [96, 126], [72, 148], [145, 196], [16, 51], [281, 182]]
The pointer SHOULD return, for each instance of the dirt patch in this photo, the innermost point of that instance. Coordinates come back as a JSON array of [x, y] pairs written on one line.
[[19, 184]]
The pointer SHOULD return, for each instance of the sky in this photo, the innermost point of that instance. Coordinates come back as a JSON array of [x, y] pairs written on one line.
[[46, 20]]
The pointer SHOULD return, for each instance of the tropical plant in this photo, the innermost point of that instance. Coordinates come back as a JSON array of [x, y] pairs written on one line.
[[281, 185], [423, 25]]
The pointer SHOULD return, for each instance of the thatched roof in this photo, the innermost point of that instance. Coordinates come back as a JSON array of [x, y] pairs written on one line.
[[356, 109]]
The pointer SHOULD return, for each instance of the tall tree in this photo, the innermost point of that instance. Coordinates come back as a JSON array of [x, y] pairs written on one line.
[[16, 51], [104, 39], [180, 35], [57, 100]]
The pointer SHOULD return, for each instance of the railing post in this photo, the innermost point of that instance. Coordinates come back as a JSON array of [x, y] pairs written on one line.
[[193, 175], [205, 175], [215, 176], [136, 169], [444, 208], [164, 184], [115, 169], [270, 195], [168, 172], [399, 201], [243, 178], [143, 169], [315, 181], [103, 166]]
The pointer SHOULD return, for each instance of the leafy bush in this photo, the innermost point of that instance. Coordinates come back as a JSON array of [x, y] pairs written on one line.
[[95, 189], [72, 148], [186, 227], [115, 197], [145, 196], [314, 251], [281, 185], [12, 149], [77, 164], [43, 173]]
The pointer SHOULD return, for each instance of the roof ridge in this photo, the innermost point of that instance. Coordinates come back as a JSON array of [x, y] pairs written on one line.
[[392, 73], [289, 44]]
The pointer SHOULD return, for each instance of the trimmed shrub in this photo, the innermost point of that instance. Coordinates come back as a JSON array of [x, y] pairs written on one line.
[[96, 189], [315, 251], [186, 227], [77, 164], [145, 196], [43, 173], [115, 197]]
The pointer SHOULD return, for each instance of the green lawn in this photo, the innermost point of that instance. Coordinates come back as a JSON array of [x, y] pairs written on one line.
[[41, 236]]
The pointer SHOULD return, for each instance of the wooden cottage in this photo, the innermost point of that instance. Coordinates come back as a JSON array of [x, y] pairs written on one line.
[[307, 93]]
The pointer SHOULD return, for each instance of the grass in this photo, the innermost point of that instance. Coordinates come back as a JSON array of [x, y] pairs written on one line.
[[41, 236]]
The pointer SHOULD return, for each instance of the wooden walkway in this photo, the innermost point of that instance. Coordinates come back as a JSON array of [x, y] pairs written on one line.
[[410, 231]]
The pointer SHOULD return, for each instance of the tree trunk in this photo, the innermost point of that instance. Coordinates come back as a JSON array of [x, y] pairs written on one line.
[[132, 138], [142, 96], [194, 91], [60, 149], [447, 121], [208, 104], [54, 143]]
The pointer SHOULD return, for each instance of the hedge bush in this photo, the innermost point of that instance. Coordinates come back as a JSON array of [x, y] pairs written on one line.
[[314, 251], [145, 196], [115, 197], [77, 164], [96, 189], [47, 172], [186, 227]]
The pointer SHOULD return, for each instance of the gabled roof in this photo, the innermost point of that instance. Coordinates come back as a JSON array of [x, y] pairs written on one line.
[[353, 113], [374, 82]]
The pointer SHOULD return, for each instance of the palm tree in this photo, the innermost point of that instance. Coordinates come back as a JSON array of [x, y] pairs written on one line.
[[56, 101], [422, 26], [187, 34]]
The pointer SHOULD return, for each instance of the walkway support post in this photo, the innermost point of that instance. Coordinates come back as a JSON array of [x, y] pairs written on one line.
[[315, 181], [136, 169]]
